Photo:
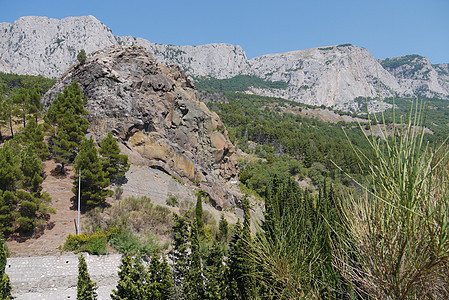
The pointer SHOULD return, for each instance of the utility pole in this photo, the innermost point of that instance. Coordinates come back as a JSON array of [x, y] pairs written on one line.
[[79, 202]]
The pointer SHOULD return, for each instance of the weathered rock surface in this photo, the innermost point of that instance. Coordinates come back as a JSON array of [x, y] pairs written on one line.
[[40, 45], [154, 109], [330, 76]]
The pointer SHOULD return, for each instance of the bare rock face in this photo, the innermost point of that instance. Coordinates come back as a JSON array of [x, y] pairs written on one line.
[[40, 45], [154, 110]]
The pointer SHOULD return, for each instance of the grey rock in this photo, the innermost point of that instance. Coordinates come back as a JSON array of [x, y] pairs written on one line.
[[332, 76], [154, 109]]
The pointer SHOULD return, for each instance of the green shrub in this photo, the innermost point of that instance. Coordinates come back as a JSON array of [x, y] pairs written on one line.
[[93, 244]]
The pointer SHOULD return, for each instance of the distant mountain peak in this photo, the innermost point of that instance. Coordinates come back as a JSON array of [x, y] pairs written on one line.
[[332, 75]]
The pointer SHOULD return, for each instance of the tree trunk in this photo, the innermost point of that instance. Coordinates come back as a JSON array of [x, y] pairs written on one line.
[[10, 125]]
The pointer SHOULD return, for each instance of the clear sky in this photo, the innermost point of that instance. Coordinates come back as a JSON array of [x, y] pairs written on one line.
[[387, 28]]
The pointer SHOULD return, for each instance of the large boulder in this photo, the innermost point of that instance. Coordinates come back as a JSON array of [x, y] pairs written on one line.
[[154, 110]]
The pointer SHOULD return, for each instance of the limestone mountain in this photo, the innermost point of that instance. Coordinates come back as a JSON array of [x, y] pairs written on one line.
[[331, 76], [154, 110]]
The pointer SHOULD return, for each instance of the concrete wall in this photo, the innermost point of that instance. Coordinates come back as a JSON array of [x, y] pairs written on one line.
[[55, 277]]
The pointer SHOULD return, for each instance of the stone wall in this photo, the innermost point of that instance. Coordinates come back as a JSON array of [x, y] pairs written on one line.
[[55, 277]]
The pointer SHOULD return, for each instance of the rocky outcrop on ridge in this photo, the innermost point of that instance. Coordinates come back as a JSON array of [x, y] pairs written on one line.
[[214, 60], [154, 109], [331, 75]]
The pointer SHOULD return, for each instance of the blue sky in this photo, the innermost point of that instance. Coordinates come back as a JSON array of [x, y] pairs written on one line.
[[387, 28]]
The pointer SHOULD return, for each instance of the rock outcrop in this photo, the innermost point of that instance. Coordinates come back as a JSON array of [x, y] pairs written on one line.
[[332, 76], [154, 109]]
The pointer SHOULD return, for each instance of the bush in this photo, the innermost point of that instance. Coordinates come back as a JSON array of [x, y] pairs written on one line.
[[93, 244]]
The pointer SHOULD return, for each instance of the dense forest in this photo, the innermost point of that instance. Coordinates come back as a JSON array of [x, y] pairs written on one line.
[[371, 222]]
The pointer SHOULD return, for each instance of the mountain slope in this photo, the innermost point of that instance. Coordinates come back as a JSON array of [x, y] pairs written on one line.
[[330, 76]]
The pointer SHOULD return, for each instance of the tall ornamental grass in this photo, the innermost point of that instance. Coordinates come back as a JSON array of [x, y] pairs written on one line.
[[396, 244]]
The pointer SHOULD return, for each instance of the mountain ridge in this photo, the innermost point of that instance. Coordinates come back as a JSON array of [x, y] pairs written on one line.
[[331, 75]]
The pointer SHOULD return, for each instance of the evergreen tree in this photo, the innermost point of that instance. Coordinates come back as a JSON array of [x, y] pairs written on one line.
[[179, 253], [33, 134], [223, 229], [133, 280], [81, 57], [215, 282], [85, 287], [5, 285], [160, 281], [199, 211], [241, 269], [193, 284], [10, 166], [67, 112], [93, 180], [115, 165], [32, 171]]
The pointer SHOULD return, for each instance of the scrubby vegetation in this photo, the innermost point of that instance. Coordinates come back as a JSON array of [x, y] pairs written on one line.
[[238, 83]]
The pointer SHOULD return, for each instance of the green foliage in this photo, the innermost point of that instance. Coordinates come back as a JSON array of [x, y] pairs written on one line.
[[223, 229], [5, 285], [132, 280], [126, 241], [115, 165], [238, 83], [193, 285], [23, 206], [293, 250], [94, 244], [85, 287], [397, 245], [392, 63], [81, 57], [199, 211], [172, 200], [180, 253], [67, 112], [289, 143], [94, 182], [136, 282]]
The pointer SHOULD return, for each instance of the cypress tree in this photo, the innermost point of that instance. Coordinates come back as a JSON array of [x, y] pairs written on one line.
[[93, 180], [86, 288], [223, 229], [5, 285], [193, 284], [133, 278], [179, 253], [215, 283], [199, 211], [160, 281]]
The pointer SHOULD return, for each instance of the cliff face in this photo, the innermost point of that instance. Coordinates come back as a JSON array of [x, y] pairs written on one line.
[[154, 110], [39, 45], [330, 76]]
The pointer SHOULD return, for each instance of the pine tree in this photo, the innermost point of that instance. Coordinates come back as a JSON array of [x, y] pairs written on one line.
[[67, 112], [5, 285], [115, 165], [94, 183], [81, 57], [10, 166], [86, 288]]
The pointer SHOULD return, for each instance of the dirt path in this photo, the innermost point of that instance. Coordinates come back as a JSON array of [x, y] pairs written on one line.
[[60, 225]]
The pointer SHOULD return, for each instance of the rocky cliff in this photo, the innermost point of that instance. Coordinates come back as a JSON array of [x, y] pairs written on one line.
[[331, 75], [154, 109]]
